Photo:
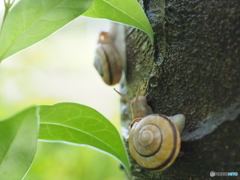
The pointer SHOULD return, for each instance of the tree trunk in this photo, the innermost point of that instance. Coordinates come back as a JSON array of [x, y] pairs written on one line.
[[193, 68]]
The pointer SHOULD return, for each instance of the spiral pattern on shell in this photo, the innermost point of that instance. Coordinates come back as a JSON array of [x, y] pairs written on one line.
[[154, 142]]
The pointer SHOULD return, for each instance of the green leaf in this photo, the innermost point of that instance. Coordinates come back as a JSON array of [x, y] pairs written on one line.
[[81, 125], [128, 12], [18, 143], [33, 20]]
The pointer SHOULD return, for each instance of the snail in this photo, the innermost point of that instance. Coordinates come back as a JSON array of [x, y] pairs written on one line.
[[154, 139], [110, 54]]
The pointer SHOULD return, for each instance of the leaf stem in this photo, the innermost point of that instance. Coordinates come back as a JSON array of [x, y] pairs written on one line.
[[8, 4]]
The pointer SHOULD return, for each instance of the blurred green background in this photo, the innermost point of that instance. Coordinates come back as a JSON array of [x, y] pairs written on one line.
[[60, 69]]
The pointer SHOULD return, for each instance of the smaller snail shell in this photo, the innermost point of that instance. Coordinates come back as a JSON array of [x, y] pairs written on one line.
[[107, 61], [154, 142], [110, 54]]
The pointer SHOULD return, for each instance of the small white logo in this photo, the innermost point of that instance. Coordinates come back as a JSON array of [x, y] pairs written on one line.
[[212, 173]]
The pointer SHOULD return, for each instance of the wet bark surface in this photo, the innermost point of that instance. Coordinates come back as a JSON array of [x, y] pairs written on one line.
[[193, 68]]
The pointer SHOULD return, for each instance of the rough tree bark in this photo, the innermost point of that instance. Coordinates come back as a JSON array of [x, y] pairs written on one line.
[[193, 68]]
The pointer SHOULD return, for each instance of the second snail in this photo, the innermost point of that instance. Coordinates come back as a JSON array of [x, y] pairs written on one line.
[[154, 139], [110, 53]]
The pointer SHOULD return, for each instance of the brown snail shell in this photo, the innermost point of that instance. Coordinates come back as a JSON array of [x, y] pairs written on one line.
[[110, 56], [154, 139], [107, 63], [154, 142]]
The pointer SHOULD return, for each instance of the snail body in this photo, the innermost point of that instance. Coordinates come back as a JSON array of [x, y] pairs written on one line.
[[110, 54], [154, 139]]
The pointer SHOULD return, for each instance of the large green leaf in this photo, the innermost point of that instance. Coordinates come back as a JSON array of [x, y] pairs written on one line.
[[33, 20], [125, 11], [81, 125], [18, 142]]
